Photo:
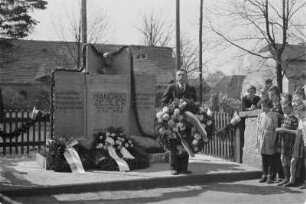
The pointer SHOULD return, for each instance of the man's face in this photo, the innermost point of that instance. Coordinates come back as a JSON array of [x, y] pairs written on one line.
[[181, 77]]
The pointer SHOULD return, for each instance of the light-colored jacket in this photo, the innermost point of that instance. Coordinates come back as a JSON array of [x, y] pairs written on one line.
[[266, 135]]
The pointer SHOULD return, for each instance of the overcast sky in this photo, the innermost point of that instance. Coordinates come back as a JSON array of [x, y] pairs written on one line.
[[124, 16]]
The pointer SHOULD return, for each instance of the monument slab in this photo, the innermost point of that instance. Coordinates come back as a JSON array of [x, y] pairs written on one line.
[[69, 104], [108, 102]]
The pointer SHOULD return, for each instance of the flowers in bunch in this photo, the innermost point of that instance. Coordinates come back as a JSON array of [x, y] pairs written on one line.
[[113, 138], [197, 142], [170, 118]]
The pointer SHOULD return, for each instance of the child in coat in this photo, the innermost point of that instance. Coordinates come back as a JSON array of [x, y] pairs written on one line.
[[287, 137], [266, 139], [274, 95]]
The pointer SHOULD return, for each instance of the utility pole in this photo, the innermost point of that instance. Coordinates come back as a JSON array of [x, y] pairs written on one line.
[[83, 31], [178, 49], [200, 49]]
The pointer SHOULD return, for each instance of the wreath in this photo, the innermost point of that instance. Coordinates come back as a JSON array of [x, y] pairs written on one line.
[[172, 125], [99, 155]]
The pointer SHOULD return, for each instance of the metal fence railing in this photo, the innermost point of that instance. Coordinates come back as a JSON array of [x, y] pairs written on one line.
[[33, 137]]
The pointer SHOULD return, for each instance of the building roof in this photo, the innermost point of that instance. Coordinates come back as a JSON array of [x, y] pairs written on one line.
[[230, 85], [294, 56], [291, 52], [27, 60]]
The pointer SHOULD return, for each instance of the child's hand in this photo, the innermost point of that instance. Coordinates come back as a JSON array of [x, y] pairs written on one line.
[[279, 130]]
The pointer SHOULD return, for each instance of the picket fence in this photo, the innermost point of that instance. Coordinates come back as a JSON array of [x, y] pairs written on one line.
[[222, 146], [32, 139], [35, 137]]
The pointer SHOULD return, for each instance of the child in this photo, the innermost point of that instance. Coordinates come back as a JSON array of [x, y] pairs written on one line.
[[300, 147], [274, 95], [287, 138], [266, 138]]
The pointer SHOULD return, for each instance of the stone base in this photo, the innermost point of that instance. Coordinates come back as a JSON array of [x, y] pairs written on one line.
[[159, 157], [251, 155], [41, 161], [153, 158]]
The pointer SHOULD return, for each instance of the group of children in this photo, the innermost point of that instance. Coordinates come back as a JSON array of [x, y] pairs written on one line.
[[281, 138]]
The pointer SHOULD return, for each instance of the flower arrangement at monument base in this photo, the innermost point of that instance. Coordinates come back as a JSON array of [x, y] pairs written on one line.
[[111, 151], [177, 120]]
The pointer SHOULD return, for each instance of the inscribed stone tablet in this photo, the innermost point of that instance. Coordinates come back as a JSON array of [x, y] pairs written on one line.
[[108, 102], [69, 106], [145, 95]]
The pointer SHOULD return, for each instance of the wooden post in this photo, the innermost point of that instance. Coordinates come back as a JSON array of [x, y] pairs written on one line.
[[83, 30], [200, 49], [237, 145], [178, 48]]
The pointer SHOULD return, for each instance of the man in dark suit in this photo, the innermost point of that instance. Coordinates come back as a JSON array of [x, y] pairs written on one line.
[[180, 90]]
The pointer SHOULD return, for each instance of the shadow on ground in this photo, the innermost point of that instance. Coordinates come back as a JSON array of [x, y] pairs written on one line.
[[161, 194]]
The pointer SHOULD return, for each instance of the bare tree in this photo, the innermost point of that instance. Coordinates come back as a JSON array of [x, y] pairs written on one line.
[[155, 30], [189, 55], [97, 32], [258, 23]]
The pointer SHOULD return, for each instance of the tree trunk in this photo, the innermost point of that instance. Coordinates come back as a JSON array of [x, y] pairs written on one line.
[[279, 76]]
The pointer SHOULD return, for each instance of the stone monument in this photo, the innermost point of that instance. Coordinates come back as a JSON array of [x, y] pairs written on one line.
[[89, 101]]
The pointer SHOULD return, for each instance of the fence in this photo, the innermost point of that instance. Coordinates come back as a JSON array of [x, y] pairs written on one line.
[[32, 138], [35, 137], [224, 146]]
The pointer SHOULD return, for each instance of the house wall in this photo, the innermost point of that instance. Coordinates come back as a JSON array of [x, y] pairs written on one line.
[[25, 96], [293, 70], [21, 64]]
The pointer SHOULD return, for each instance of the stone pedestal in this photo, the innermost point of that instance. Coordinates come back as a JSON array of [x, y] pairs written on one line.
[[251, 155]]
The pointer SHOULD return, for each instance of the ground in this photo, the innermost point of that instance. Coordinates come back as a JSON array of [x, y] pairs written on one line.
[[249, 191]]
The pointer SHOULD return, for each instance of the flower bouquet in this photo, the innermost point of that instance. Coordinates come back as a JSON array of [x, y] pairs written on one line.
[[175, 121], [115, 151]]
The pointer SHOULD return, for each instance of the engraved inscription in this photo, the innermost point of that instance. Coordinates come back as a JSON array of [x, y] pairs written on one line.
[[110, 102], [145, 100], [68, 100]]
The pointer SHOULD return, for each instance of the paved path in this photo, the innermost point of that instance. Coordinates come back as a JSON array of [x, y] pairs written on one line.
[[23, 176], [246, 192]]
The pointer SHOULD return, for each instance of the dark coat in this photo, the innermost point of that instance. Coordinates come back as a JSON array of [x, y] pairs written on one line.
[[247, 103], [173, 91]]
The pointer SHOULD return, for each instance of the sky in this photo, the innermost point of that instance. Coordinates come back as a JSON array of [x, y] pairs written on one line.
[[123, 17], [122, 14]]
